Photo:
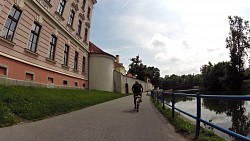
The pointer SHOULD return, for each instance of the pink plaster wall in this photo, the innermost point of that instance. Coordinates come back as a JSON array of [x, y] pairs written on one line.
[[16, 70]]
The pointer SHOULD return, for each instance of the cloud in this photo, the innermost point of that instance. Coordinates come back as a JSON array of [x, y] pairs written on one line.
[[185, 44], [126, 3], [174, 60], [157, 43], [160, 57], [178, 37], [213, 49]]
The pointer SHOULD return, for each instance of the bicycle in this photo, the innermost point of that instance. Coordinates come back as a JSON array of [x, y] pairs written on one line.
[[137, 102]]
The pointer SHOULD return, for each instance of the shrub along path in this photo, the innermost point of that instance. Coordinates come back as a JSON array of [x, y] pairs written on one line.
[[111, 121]]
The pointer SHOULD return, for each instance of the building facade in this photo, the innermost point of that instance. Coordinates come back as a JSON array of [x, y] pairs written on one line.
[[101, 67], [45, 42], [106, 73], [119, 66]]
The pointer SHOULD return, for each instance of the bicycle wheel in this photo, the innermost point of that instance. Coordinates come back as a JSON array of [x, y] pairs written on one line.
[[137, 104]]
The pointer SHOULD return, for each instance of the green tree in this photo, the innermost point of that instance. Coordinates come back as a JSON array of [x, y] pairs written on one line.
[[220, 76], [141, 71], [238, 41], [134, 67], [153, 74]]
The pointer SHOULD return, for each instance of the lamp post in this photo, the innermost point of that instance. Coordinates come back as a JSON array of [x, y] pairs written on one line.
[[126, 84]]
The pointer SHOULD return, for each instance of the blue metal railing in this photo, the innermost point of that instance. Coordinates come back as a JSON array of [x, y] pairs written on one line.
[[156, 93]]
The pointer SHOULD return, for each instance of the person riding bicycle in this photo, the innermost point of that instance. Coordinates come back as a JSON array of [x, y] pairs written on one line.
[[137, 90]]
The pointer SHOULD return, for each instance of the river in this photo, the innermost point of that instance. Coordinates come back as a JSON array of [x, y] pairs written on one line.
[[230, 114]]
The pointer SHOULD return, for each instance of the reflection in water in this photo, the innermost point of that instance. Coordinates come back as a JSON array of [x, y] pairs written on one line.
[[230, 114], [235, 109]]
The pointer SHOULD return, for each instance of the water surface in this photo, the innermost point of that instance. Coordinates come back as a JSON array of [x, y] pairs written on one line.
[[230, 114]]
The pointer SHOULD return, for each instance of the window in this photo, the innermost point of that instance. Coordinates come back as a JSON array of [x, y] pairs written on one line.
[[29, 76], [10, 25], [66, 55], [71, 18], [79, 27], [76, 60], [34, 37], [76, 84], [83, 64], [61, 7], [83, 85], [88, 13], [3, 71], [65, 82], [50, 80], [83, 6], [86, 35], [52, 47]]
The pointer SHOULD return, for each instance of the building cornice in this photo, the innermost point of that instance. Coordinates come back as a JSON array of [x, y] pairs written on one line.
[[102, 55], [57, 23], [94, 1]]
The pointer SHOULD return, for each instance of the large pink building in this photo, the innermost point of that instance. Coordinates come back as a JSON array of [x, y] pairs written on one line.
[[45, 42]]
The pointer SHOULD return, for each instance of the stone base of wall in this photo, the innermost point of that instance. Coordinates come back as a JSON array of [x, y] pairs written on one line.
[[8, 81]]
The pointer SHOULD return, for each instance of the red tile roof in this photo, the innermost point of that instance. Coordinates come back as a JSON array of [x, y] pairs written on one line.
[[118, 65], [96, 50]]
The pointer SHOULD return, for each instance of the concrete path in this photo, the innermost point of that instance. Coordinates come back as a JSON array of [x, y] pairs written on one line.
[[111, 121]]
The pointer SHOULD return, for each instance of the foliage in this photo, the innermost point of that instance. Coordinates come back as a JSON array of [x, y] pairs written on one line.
[[246, 74], [136, 66], [154, 75], [220, 76], [6, 117], [142, 72], [32, 103], [238, 41], [181, 82]]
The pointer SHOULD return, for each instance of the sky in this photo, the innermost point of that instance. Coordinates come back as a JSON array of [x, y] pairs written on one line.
[[176, 36]]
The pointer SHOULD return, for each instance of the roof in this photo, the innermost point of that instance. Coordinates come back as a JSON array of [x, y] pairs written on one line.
[[96, 50], [130, 75], [118, 65]]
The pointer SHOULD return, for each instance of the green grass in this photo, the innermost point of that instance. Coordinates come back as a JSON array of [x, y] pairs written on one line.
[[183, 126], [18, 103]]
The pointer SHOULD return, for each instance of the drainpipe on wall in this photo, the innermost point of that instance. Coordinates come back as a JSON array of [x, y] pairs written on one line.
[[88, 68]]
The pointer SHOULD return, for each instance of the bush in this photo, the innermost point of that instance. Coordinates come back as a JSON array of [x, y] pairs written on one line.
[[6, 117]]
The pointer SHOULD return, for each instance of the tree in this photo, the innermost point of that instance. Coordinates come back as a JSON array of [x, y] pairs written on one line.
[[154, 75], [141, 71], [220, 76], [238, 41], [134, 67]]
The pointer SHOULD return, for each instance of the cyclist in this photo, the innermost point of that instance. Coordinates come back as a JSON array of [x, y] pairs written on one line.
[[137, 90]]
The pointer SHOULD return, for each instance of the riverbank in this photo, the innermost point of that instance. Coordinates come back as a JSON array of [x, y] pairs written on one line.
[[25, 104], [185, 127]]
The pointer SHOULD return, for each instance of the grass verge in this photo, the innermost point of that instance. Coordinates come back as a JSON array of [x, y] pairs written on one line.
[[18, 103], [184, 127]]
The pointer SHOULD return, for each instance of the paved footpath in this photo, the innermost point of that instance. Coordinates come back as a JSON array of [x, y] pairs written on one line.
[[111, 121]]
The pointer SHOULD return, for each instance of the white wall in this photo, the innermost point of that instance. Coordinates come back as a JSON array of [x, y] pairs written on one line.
[[120, 81], [101, 76]]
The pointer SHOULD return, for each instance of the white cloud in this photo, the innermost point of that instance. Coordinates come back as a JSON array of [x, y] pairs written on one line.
[[179, 35]]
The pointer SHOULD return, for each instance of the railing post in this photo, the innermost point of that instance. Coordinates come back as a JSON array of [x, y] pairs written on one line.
[[173, 101], [198, 121], [163, 99], [157, 101]]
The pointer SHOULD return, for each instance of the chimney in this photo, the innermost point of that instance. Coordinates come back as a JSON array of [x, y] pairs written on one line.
[[117, 59]]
